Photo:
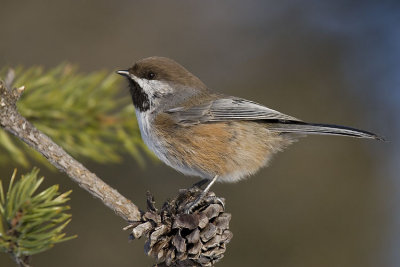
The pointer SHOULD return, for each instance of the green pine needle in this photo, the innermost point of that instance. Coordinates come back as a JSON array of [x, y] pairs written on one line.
[[83, 113], [31, 223]]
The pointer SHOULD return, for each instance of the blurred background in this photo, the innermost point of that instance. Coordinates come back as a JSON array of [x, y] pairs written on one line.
[[325, 201]]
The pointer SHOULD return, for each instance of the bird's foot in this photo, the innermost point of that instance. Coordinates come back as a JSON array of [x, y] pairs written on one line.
[[193, 205], [207, 198]]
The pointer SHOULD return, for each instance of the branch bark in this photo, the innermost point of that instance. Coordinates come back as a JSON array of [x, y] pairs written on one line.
[[16, 124]]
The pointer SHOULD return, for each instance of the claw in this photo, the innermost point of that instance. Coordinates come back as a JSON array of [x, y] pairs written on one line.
[[197, 202], [210, 199], [193, 205], [215, 200]]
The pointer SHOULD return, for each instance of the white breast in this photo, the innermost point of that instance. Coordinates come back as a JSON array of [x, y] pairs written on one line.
[[148, 134]]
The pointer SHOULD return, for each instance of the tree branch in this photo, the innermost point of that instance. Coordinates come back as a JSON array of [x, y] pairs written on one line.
[[173, 237], [16, 124]]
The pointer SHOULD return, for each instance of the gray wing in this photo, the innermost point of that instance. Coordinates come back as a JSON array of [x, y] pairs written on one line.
[[226, 109]]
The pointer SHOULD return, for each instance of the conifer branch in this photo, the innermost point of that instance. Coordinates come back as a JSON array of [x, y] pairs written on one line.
[[31, 222], [174, 238], [12, 121], [62, 101]]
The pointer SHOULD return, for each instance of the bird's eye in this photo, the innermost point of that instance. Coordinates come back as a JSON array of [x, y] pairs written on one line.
[[150, 75]]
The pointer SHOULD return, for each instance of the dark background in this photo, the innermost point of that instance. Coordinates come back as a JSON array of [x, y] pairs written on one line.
[[326, 201]]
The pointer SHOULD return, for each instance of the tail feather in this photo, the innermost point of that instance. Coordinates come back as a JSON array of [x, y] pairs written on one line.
[[316, 128]]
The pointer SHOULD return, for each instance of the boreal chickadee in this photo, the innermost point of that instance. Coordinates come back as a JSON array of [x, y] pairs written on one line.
[[203, 133]]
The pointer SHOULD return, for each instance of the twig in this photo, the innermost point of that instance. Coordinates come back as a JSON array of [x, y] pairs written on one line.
[[22, 261], [16, 124]]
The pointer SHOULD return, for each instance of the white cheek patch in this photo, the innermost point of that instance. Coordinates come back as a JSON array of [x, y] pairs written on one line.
[[152, 87], [143, 83], [163, 87]]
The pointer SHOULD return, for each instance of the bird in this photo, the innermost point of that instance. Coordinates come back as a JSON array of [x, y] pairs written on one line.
[[200, 132]]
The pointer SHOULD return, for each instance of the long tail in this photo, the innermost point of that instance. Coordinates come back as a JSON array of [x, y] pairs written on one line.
[[316, 128]]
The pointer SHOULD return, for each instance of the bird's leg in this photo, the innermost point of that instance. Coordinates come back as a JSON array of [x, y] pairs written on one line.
[[200, 183], [196, 203]]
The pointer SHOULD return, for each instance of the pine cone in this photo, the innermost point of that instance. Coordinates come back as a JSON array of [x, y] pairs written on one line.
[[178, 239]]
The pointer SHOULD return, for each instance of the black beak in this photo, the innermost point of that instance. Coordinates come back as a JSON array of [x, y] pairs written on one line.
[[123, 73]]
